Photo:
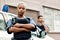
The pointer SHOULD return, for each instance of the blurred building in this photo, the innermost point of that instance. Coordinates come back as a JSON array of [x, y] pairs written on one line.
[[50, 9]]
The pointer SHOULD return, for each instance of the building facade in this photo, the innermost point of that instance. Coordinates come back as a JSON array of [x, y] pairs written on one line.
[[50, 9]]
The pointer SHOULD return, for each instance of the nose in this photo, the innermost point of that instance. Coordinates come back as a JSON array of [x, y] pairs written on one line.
[[21, 9]]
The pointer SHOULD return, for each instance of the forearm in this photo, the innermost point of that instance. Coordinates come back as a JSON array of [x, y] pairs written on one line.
[[15, 29], [28, 26], [46, 28]]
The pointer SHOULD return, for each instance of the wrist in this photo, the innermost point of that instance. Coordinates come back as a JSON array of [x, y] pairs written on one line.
[[11, 29]]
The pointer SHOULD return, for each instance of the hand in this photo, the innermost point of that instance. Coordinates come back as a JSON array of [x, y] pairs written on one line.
[[12, 29], [43, 23], [27, 30]]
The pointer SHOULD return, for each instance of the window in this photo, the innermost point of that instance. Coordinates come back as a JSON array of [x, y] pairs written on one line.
[[28, 12], [51, 17], [2, 23]]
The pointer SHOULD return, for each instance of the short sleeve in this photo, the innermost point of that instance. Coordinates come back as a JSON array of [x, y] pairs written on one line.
[[9, 24], [32, 22]]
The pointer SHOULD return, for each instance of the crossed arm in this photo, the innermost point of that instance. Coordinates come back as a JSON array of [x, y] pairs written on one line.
[[24, 27]]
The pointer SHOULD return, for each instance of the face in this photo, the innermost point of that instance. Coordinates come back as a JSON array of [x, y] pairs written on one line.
[[21, 9], [40, 19]]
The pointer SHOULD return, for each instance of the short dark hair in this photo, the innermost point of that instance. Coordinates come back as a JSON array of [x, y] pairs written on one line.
[[40, 16]]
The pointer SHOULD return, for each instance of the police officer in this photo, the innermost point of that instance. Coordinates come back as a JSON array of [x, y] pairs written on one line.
[[21, 31], [41, 25]]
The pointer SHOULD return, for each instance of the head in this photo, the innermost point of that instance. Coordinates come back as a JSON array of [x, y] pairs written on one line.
[[21, 9], [40, 18]]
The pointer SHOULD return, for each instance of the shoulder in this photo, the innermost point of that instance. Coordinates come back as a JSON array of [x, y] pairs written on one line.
[[29, 18], [10, 20]]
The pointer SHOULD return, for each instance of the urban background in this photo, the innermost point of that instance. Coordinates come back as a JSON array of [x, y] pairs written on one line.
[[50, 9]]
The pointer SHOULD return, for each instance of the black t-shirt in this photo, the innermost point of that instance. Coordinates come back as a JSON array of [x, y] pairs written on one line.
[[23, 34], [40, 26]]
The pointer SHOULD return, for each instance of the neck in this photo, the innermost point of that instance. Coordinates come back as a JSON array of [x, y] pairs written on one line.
[[20, 16]]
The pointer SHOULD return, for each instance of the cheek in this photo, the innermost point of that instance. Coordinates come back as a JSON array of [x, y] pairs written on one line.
[[24, 10], [40, 19], [18, 10]]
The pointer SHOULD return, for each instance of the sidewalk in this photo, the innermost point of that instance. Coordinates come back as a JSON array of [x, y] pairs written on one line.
[[46, 38]]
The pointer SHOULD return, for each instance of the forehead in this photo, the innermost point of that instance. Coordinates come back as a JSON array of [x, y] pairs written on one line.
[[40, 17], [21, 5]]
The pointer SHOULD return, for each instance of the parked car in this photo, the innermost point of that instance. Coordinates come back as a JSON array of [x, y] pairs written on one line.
[[4, 17]]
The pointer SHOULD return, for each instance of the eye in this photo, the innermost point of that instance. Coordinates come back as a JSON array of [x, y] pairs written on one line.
[[23, 8], [19, 7]]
